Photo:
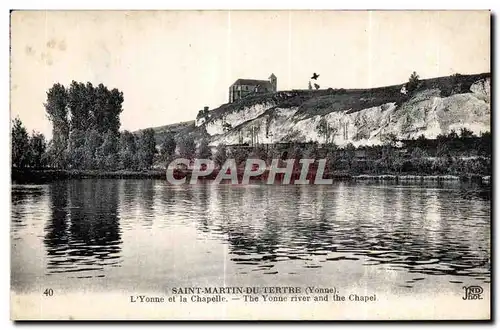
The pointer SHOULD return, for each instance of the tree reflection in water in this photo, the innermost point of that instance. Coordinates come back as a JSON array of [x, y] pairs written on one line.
[[83, 235], [406, 228]]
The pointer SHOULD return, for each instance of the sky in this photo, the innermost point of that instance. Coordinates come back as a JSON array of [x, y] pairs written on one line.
[[170, 64]]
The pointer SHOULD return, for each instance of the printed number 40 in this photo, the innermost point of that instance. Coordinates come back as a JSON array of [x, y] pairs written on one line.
[[48, 292]]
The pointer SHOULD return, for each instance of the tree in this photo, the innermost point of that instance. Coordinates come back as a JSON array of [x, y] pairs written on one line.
[[220, 156], [57, 111], [418, 153], [484, 145], [93, 141], [322, 128], [453, 135], [94, 107], [316, 86], [84, 109], [260, 152], [389, 139], [295, 151], [254, 133], [168, 145], [38, 149], [107, 153], [333, 158], [325, 130], [391, 159], [349, 154], [413, 82], [106, 109], [146, 148], [442, 150], [240, 155], [421, 141], [397, 162], [418, 159], [465, 133], [309, 86], [127, 150], [19, 144], [388, 157], [311, 150], [80, 104], [204, 151], [187, 147], [76, 149], [56, 156]]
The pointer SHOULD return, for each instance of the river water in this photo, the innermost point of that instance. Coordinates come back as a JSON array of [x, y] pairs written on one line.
[[107, 235]]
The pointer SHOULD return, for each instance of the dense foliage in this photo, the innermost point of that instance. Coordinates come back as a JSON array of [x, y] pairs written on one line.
[[454, 154], [85, 133]]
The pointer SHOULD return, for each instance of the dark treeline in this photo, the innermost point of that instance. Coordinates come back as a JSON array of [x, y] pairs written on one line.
[[27, 150], [453, 153], [85, 133]]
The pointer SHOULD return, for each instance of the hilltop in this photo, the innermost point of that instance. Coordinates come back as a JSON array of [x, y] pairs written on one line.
[[358, 116], [185, 127]]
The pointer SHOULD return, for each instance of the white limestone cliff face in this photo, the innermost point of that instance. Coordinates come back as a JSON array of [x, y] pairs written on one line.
[[426, 113], [482, 89], [215, 127]]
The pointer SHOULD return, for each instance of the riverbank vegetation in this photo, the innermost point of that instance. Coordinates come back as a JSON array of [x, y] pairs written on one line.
[[460, 154]]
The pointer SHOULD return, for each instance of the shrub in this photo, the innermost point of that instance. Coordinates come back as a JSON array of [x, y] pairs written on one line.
[[413, 82]]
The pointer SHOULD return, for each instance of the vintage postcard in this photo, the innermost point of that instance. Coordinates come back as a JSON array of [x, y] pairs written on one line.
[[250, 165]]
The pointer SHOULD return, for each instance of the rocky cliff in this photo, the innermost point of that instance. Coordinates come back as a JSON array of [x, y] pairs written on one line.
[[361, 117], [358, 116]]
